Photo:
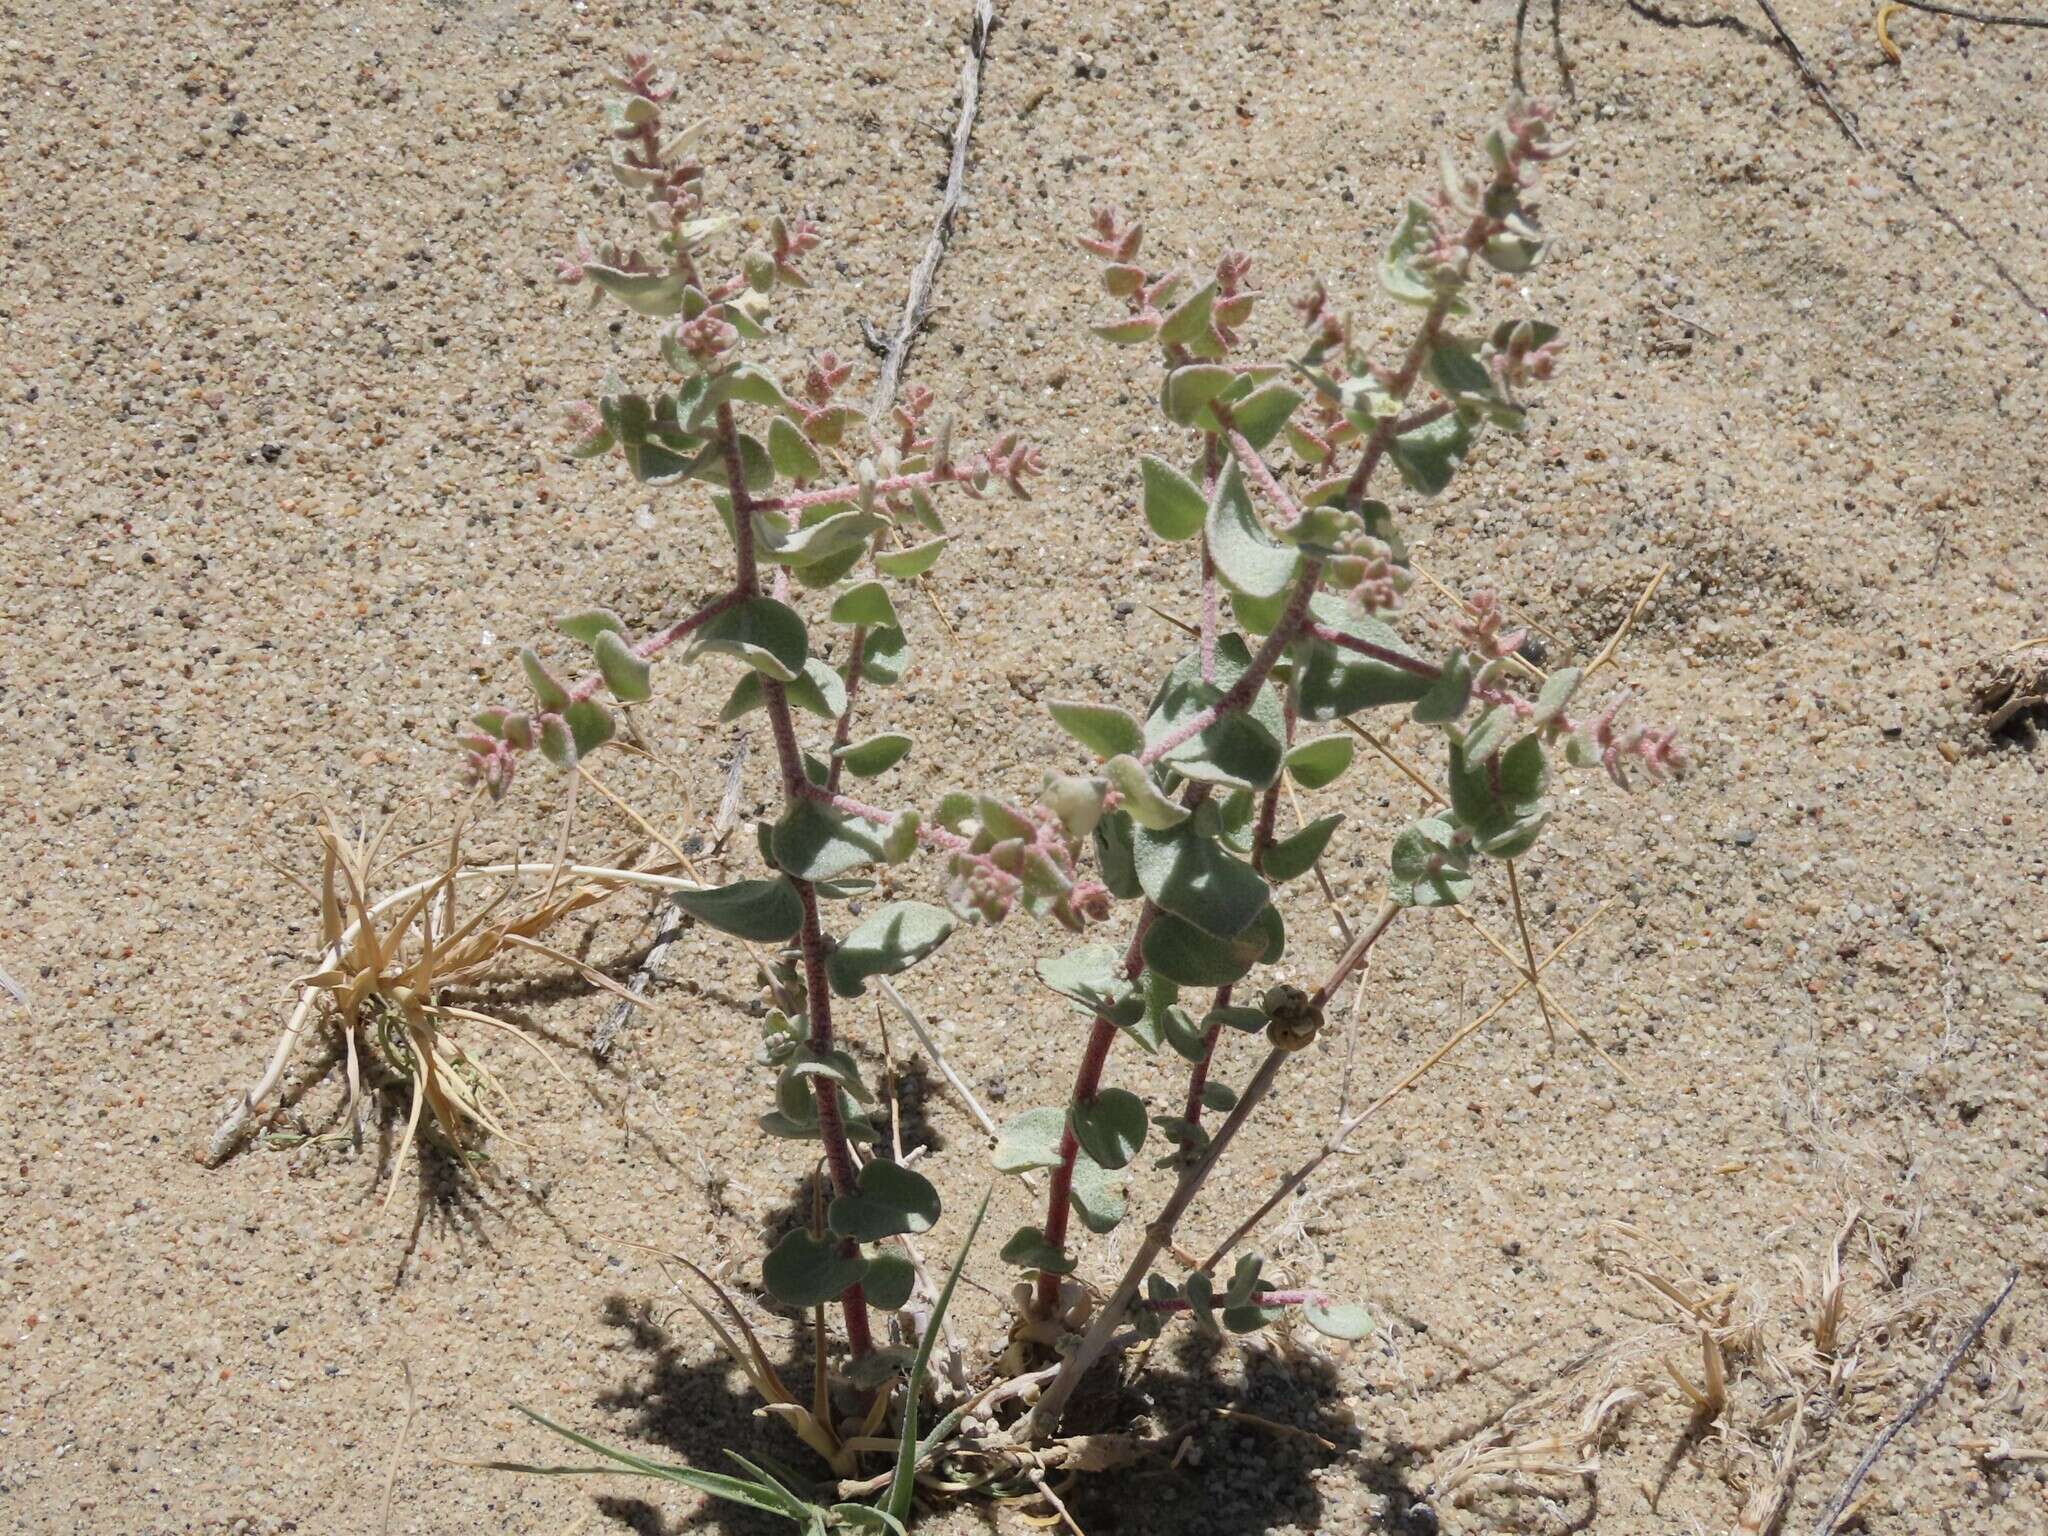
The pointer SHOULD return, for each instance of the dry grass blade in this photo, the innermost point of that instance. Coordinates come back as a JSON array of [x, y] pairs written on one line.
[[412, 1408]]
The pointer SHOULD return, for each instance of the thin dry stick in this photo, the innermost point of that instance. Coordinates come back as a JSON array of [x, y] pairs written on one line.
[[1606, 655], [412, 1408], [1045, 1492], [1813, 79], [1928, 1394], [938, 1057], [14, 990], [1529, 951], [1977, 16], [915, 306], [1344, 1132]]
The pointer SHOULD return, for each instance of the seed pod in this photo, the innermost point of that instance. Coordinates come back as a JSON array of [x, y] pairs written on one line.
[[1291, 1019]]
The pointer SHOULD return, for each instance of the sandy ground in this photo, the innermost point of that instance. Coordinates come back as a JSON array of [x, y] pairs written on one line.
[[281, 350]]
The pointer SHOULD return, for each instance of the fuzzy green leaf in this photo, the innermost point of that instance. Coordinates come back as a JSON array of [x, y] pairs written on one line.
[[1262, 413], [1183, 953], [1337, 1321], [1030, 1140], [1187, 392], [1449, 695], [883, 656], [1112, 841], [790, 452], [888, 1201], [548, 691], [1330, 682], [1249, 559], [802, 1271], [1093, 978], [624, 673], [586, 626], [1428, 869], [1110, 1127], [869, 604], [887, 943], [814, 842], [1096, 1196], [590, 725], [1192, 878], [767, 635], [914, 561], [1319, 763], [1029, 1248], [1294, 856], [876, 754], [759, 911], [1242, 750], [1174, 505], [1103, 729], [1427, 456], [1142, 800]]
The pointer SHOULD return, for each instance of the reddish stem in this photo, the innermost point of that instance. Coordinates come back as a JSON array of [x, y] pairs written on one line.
[[817, 989], [1392, 658], [1246, 688], [1087, 1084], [843, 731]]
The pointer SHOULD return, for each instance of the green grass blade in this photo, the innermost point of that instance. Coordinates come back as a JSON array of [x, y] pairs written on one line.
[[897, 1503], [765, 1497]]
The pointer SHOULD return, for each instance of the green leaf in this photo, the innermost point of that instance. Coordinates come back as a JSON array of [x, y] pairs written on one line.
[[585, 627], [1103, 729], [1029, 1248], [1247, 557], [886, 943], [889, 1200], [556, 745], [891, 1277], [1148, 1030], [914, 561], [1316, 764], [1337, 1321], [1188, 324], [1095, 1195], [1192, 878], [1248, 1319], [1398, 273], [548, 691], [1428, 869], [1220, 1097], [624, 673], [1244, 1280], [1142, 801], [1188, 391], [1112, 839], [1241, 750], [818, 690], [1094, 978], [1201, 1295], [590, 725], [767, 635], [1330, 682], [1449, 695], [803, 1271], [814, 842], [1487, 736], [1126, 332], [658, 294], [1188, 1038], [883, 656], [1262, 413], [759, 911], [1556, 695], [790, 452], [1110, 1127], [902, 1483], [1293, 856], [840, 537], [1174, 505], [1427, 456], [1183, 953], [1030, 1140], [869, 604], [876, 754]]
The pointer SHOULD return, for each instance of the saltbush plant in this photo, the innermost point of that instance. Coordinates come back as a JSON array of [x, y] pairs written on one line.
[[1161, 831]]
